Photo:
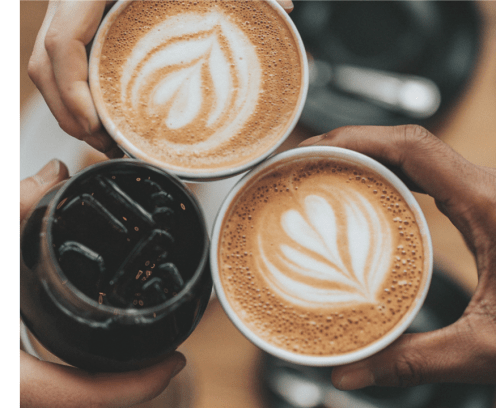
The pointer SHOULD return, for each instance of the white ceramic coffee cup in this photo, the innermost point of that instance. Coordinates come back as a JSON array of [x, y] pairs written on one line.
[[339, 154], [134, 152]]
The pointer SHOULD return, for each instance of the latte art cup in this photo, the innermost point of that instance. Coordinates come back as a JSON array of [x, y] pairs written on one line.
[[233, 100], [296, 229]]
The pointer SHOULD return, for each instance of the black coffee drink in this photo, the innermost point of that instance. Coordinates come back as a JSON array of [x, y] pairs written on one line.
[[113, 267]]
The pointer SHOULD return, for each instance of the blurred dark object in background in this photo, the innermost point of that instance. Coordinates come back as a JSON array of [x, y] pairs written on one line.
[[437, 41], [288, 385]]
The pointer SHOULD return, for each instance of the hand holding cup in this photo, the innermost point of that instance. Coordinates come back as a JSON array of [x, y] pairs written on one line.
[[44, 384], [466, 194], [59, 68], [321, 256]]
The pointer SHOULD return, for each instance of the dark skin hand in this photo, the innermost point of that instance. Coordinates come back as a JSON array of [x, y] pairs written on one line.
[[465, 351], [59, 68], [44, 384]]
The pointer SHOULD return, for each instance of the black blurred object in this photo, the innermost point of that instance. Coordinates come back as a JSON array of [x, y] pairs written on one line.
[[287, 385], [435, 40]]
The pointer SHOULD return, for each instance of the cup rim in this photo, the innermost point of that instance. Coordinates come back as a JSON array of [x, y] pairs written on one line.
[[110, 311], [342, 155], [136, 153]]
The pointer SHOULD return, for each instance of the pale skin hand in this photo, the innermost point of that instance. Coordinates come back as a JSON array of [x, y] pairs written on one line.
[[59, 68], [48, 385], [466, 193]]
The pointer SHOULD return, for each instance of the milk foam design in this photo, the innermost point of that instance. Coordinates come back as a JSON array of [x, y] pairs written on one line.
[[334, 253], [172, 68]]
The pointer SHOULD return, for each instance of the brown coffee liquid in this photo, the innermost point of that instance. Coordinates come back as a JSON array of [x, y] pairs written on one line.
[[251, 235], [214, 136]]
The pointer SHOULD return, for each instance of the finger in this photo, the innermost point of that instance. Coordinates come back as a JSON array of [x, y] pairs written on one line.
[[451, 354], [41, 73], [126, 389], [404, 178], [287, 5], [40, 38], [33, 188], [46, 384], [44, 80], [430, 163], [65, 45]]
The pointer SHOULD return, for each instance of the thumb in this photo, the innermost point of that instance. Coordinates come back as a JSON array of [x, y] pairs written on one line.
[[34, 187], [134, 387], [44, 384], [450, 354]]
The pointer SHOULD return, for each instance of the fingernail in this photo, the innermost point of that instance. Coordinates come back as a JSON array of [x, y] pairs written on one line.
[[355, 379], [48, 173], [178, 368], [286, 4], [312, 140]]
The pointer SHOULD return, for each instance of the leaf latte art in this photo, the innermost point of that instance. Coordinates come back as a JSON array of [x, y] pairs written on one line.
[[323, 259], [191, 83], [173, 66], [320, 256]]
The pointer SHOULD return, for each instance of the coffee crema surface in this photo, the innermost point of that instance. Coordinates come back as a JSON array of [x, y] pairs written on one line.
[[320, 257], [201, 85]]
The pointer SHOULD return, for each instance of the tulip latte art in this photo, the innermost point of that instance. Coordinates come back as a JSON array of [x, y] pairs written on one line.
[[201, 85], [320, 257]]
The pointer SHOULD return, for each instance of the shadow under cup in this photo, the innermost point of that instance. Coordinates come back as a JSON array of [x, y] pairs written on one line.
[[261, 325], [114, 267], [232, 124]]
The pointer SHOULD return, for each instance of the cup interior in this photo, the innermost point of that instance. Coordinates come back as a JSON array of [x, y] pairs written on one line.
[[129, 167], [187, 174], [341, 155]]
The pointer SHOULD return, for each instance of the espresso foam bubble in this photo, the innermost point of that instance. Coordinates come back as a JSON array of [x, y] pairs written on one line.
[[320, 258], [201, 85]]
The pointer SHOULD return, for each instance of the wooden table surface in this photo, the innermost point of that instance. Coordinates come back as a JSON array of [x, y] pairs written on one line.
[[223, 361]]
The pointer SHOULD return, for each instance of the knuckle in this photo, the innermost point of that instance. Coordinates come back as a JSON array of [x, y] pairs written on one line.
[[480, 318], [487, 183], [66, 93], [68, 126], [339, 132], [65, 125], [487, 349], [52, 41], [416, 132], [414, 140], [478, 332], [407, 371], [477, 209], [413, 135], [34, 70], [486, 203], [95, 127]]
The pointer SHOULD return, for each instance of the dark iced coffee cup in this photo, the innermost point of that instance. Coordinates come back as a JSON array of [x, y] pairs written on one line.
[[114, 267]]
